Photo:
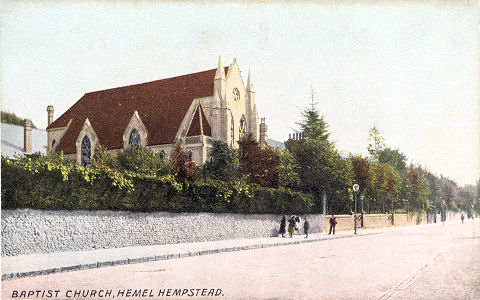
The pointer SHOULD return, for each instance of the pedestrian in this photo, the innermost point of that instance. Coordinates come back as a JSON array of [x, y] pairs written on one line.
[[333, 222], [298, 220], [291, 226], [283, 223], [462, 217], [306, 226]]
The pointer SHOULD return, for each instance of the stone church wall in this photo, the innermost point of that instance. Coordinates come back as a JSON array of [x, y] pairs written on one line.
[[27, 231]]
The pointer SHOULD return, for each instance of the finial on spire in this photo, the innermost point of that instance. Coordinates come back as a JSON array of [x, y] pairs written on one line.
[[249, 87], [220, 70]]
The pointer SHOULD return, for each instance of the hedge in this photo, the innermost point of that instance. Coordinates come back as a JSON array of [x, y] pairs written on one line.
[[41, 183]]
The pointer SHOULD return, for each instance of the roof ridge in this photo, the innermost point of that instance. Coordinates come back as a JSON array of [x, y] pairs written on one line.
[[157, 80]]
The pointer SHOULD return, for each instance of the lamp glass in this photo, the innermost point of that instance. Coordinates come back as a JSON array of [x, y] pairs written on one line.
[[356, 187]]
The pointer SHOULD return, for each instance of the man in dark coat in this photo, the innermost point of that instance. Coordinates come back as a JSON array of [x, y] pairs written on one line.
[[283, 223], [333, 222], [306, 226], [291, 226]]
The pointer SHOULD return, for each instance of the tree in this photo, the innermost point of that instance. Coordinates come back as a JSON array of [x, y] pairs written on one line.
[[289, 169], [361, 167], [448, 193], [376, 143], [466, 199], [434, 197], [141, 160], [11, 118], [419, 191], [223, 163], [476, 204], [383, 188], [181, 166], [313, 125], [104, 160], [323, 169], [398, 161], [394, 158], [261, 165]]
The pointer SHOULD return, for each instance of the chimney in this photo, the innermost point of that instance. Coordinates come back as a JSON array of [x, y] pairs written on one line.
[[50, 114], [27, 136], [263, 133]]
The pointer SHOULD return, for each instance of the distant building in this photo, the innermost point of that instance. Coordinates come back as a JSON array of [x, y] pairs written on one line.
[[192, 110], [275, 144], [16, 139]]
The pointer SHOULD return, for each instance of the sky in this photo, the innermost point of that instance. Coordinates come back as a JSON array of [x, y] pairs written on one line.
[[409, 68]]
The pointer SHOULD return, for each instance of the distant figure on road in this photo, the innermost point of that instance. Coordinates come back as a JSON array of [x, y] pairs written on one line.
[[306, 226], [283, 223], [462, 217], [333, 222], [291, 226]]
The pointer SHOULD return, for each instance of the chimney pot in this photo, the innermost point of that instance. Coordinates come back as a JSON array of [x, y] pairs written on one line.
[[27, 136], [50, 111]]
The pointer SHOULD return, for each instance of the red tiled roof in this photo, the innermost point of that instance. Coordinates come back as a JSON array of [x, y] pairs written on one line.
[[161, 105], [195, 125]]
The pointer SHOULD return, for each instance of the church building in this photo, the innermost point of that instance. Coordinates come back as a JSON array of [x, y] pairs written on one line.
[[192, 110]]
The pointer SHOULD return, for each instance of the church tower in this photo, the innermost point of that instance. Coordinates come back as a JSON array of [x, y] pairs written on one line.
[[219, 109], [251, 109]]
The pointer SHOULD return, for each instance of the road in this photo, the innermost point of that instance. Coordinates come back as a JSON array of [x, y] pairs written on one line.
[[428, 262]]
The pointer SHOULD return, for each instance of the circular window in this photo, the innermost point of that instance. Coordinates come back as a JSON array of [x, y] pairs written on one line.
[[236, 94]]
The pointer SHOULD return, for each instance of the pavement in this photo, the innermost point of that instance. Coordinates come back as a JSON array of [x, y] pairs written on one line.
[[47, 263]]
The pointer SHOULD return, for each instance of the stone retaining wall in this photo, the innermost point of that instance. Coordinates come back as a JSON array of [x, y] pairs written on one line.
[[27, 231]]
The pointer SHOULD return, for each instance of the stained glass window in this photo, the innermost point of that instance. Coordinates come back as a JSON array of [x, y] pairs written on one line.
[[86, 152], [134, 138]]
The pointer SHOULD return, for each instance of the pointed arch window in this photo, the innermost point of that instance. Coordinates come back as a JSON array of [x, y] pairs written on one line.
[[243, 126], [232, 132], [134, 138], [86, 152]]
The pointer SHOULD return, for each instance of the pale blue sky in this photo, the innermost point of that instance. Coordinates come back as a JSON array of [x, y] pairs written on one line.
[[411, 69]]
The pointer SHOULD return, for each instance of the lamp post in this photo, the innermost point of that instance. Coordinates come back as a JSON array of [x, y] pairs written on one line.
[[356, 187], [361, 199]]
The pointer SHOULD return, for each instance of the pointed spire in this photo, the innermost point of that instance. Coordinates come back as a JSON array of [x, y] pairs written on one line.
[[249, 87], [220, 70]]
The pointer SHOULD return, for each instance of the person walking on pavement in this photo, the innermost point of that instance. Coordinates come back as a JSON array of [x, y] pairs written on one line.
[[283, 223], [291, 226], [463, 218], [306, 226], [297, 224], [333, 222]]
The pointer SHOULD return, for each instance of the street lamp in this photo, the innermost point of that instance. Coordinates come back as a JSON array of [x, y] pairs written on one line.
[[362, 197], [356, 187]]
